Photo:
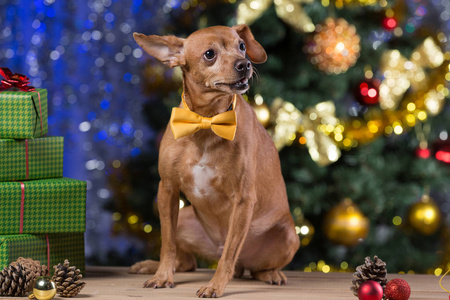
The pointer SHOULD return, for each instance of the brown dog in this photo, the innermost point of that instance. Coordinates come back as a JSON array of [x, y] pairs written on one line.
[[239, 213]]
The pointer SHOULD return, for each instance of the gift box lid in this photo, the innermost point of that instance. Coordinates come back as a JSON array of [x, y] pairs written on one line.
[[29, 159], [23, 115]]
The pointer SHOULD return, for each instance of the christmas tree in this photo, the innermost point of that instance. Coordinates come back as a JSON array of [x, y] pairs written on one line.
[[353, 94]]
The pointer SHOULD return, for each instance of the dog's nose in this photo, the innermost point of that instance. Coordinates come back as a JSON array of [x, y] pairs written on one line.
[[242, 65]]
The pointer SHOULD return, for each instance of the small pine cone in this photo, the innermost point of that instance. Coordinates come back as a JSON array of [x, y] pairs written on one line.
[[16, 280], [34, 265], [67, 280], [371, 270]]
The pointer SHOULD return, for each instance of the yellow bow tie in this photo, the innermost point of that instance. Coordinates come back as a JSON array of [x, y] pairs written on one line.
[[185, 122]]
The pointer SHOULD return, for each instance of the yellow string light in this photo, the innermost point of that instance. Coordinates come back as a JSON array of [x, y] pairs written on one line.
[[148, 228], [344, 265]]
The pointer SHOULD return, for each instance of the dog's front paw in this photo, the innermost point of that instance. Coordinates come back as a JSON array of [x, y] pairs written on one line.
[[144, 267], [160, 280], [210, 291]]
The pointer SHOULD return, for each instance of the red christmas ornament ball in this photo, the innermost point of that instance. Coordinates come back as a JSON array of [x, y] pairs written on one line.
[[367, 92], [443, 152], [370, 290], [423, 153], [397, 289], [389, 23]]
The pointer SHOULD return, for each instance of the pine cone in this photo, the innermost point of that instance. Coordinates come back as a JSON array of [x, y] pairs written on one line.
[[67, 280], [34, 265], [372, 270], [16, 280]]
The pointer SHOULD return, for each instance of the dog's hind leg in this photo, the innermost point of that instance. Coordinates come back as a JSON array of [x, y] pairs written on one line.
[[191, 238], [265, 255]]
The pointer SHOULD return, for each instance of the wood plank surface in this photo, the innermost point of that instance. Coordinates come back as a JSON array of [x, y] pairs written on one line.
[[115, 283]]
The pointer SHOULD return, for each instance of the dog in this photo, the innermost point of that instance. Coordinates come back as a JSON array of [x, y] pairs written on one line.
[[224, 162]]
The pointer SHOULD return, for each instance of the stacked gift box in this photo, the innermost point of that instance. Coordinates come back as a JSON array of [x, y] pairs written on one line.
[[42, 214]]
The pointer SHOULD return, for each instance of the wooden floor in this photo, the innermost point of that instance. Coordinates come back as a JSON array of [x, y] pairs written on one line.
[[115, 283]]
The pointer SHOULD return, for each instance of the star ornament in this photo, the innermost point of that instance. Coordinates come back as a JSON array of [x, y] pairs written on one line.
[[290, 11]]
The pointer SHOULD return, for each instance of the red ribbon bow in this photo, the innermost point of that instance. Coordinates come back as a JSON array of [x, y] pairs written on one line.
[[21, 82], [14, 80]]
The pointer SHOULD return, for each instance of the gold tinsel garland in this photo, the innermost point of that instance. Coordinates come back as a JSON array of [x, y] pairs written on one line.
[[400, 73], [426, 97], [290, 11]]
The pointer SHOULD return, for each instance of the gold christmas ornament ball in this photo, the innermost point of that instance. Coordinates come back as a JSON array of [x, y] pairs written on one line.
[[44, 289], [334, 47], [304, 230], [345, 224], [425, 216]]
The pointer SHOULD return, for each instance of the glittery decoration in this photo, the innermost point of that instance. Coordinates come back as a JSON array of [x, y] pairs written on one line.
[[315, 120], [397, 289], [286, 119], [400, 73], [290, 11], [335, 46]]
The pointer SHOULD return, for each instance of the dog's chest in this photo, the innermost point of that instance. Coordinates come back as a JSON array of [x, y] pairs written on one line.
[[203, 175], [200, 177]]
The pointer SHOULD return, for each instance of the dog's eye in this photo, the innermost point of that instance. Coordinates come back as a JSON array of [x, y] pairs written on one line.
[[242, 46], [210, 54]]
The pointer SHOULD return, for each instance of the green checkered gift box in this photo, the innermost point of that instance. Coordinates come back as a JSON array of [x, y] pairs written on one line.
[[23, 115], [31, 159], [49, 249], [43, 206]]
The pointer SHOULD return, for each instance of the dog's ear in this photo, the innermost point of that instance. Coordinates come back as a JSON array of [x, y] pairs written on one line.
[[168, 49], [255, 51]]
